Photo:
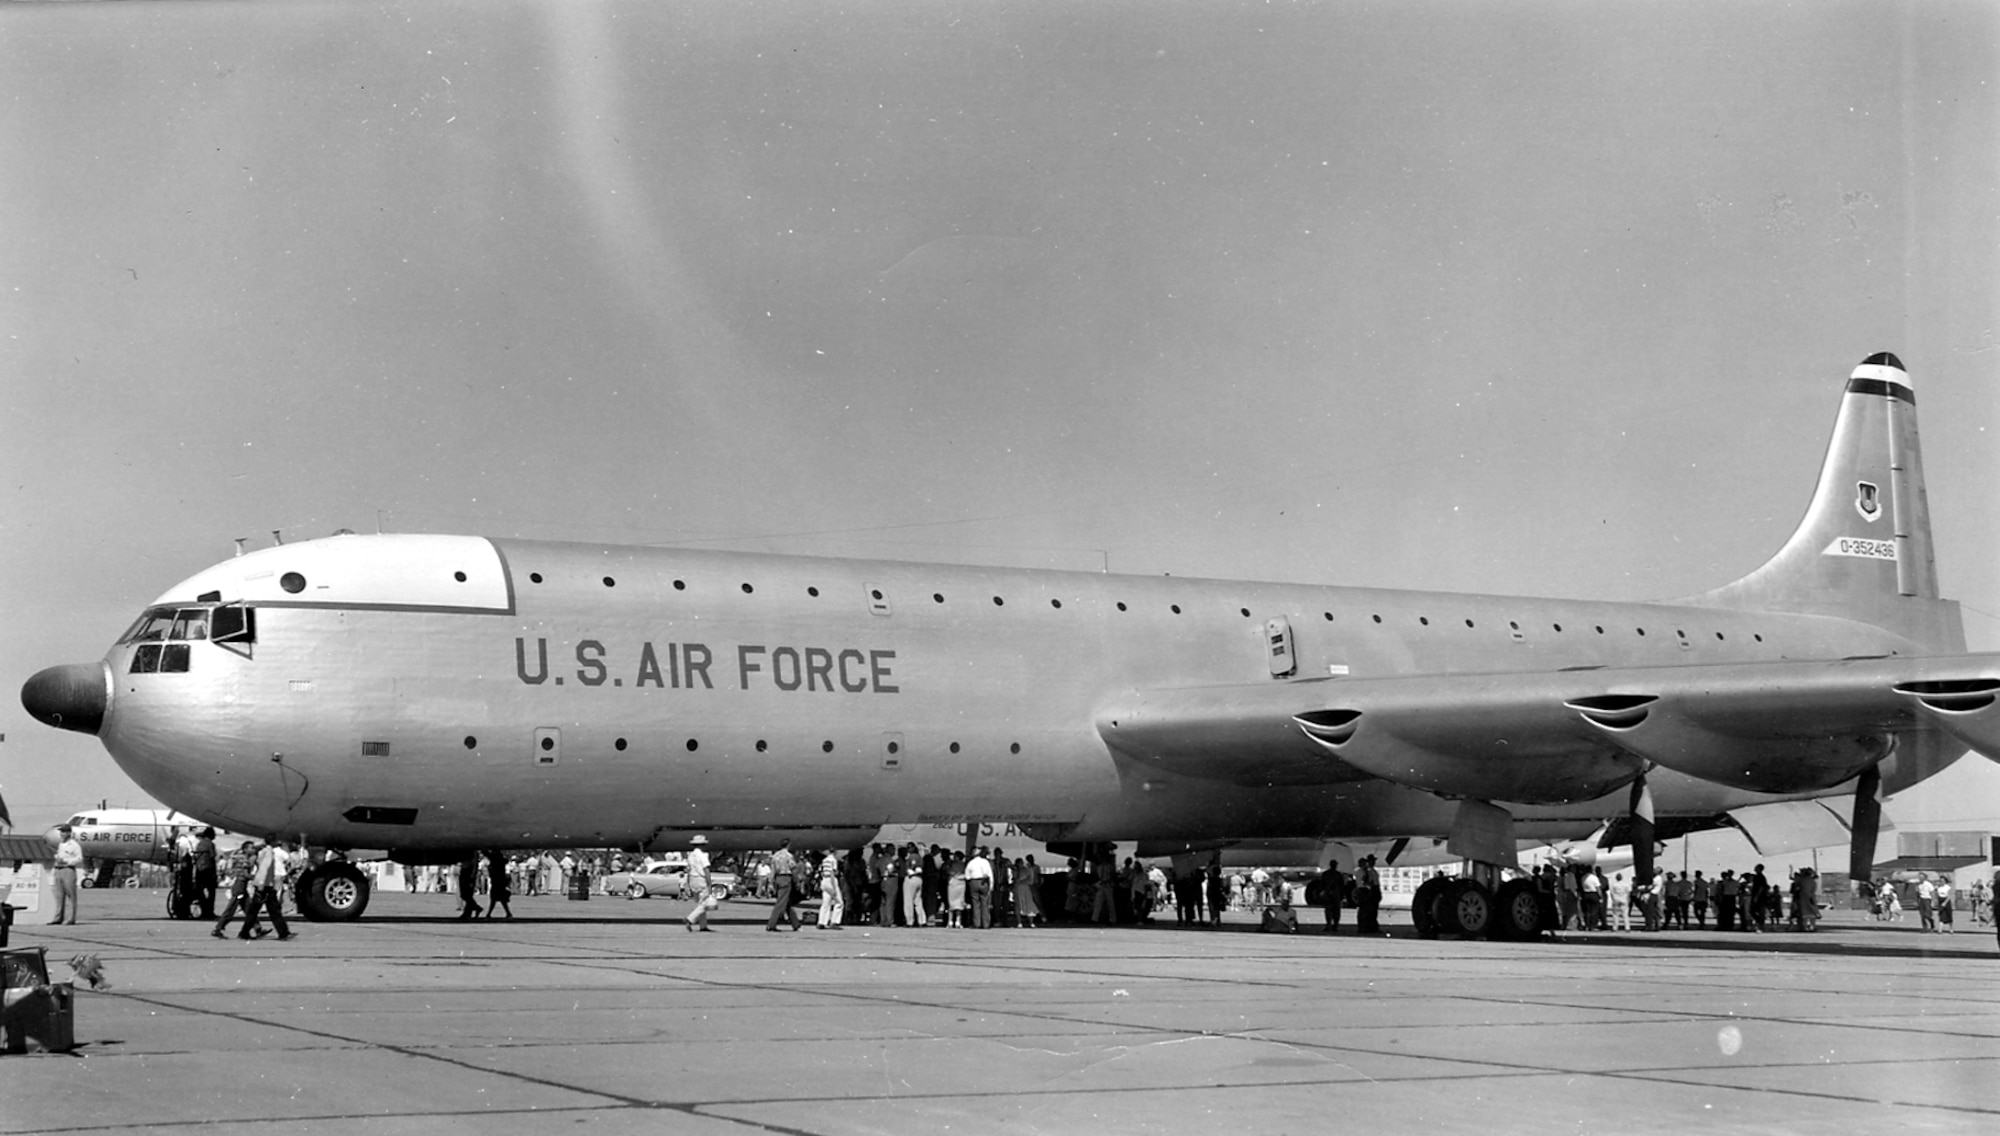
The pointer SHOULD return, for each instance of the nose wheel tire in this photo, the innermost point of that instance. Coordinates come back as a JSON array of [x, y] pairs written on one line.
[[333, 893]]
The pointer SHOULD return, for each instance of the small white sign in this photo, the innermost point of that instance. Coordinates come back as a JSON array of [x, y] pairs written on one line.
[[23, 886]]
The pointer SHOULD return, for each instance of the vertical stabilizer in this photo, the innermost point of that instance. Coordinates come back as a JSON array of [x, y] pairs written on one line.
[[1863, 550]]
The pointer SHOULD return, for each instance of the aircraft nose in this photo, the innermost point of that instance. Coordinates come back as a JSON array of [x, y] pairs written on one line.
[[73, 696]]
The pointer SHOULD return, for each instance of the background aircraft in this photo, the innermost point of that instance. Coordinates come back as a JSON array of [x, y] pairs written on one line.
[[113, 836]]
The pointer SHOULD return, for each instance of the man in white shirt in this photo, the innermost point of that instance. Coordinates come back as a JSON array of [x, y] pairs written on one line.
[[1621, 903], [267, 888], [69, 859], [979, 889], [1156, 891], [697, 868], [1593, 900]]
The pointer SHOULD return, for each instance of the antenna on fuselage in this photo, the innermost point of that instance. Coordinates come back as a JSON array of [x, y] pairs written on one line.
[[240, 542], [277, 536]]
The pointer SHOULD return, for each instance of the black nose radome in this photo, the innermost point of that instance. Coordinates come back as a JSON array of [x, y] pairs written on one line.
[[69, 697]]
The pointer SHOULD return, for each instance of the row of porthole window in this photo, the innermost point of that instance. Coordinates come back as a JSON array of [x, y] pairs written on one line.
[[763, 746], [1515, 626], [877, 596], [815, 593]]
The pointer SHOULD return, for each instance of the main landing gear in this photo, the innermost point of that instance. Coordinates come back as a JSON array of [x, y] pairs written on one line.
[[1478, 905]]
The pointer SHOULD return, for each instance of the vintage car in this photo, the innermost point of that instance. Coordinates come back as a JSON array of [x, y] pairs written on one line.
[[660, 878]]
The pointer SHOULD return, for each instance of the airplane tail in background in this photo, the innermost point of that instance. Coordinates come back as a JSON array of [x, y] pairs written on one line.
[[1863, 550]]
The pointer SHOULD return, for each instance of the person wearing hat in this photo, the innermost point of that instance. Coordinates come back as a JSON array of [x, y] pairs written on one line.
[[697, 868], [1367, 898], [69, 858]]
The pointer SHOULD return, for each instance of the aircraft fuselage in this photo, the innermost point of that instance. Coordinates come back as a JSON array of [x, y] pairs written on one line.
[[448, 692]]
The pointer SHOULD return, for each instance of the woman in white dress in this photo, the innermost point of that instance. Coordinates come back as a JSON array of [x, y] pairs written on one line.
[[954, 889]]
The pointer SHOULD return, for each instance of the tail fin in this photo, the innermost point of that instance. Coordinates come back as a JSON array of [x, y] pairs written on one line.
[[1863, 550]]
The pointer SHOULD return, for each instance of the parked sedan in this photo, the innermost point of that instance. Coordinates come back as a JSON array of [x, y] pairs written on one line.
[[662, 879]]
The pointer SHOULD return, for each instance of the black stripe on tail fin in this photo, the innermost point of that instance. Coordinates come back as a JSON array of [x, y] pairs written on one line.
[[1863, 550]]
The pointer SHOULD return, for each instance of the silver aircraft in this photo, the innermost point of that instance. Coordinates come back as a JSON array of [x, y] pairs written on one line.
[[432, 694]]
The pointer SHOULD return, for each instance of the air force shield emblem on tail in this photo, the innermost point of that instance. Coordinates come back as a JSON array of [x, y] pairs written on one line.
[[1867, 500]]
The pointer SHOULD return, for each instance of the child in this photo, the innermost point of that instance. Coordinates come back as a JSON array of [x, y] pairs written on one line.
[[697, 920]]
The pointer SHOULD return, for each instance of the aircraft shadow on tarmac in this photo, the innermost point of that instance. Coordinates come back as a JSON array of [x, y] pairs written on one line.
[[1846, 942]]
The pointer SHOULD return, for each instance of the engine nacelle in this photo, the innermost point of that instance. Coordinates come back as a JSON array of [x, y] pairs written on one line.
[[1967, 709], [1655, 729], [1530, 767]]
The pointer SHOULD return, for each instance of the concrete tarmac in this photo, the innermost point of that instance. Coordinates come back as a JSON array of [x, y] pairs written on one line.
[[605, 1016]]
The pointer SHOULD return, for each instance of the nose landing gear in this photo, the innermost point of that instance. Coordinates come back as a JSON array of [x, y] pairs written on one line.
[[333, 892]]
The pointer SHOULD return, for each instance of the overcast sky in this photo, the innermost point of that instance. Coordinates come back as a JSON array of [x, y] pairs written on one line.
[[1542, 298]]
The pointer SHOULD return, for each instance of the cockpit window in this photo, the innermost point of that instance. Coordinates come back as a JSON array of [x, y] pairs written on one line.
[[152, 625], [163, 634], [160, 658], [169, 623], [234, 623]]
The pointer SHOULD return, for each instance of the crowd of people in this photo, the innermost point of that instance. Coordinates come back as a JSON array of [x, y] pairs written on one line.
[[1934, 897], [887, 885], [911, 886], [521, 873], [1587, 900]]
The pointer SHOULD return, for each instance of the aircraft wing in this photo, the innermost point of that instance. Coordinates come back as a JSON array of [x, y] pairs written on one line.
[[1553, 737]]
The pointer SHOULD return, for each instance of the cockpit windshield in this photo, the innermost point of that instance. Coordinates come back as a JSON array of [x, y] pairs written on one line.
[[163, 634], [163, 623]]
